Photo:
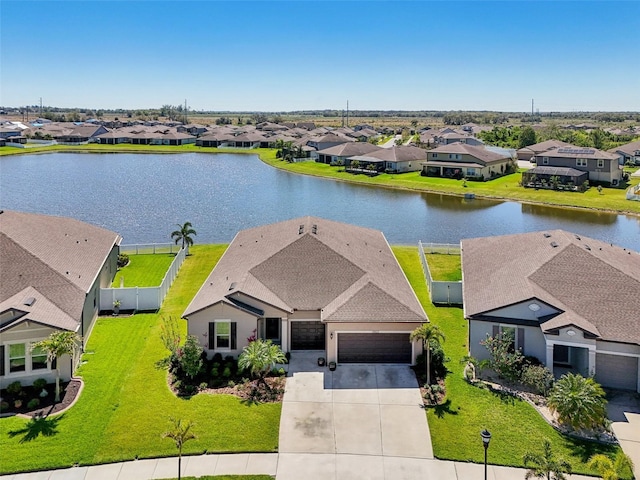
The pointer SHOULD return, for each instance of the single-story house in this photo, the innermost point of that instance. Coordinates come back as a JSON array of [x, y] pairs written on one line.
[[601, 166], [51, 272], [528, 153], [309, 284], [328, 140], [338, 154], [113, 137], [81, 134], [396, 159], [629, 152], [460, 160], [570, 301]]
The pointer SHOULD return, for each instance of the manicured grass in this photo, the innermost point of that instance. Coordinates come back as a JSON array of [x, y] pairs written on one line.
[[126, 404], [444, 268], [146, 270], [455, 426]]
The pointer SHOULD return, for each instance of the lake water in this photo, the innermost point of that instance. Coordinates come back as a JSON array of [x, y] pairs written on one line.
[[144, 196]]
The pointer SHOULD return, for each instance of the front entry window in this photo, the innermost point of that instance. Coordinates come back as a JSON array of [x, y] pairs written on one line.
[[272, 329]]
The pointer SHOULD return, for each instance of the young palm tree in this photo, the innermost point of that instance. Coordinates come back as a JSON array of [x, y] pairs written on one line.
[[545, 464], [611, 469], [260, 357], [429, 334], [56, 345], [580, 402], [184, 234], [180, 434]]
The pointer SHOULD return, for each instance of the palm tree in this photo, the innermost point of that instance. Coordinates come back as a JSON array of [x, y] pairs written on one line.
[[580, 402], [611, 469], [430, 335], [260, 357], [545, 464], [180, 434], [184, 235], [56, 345]]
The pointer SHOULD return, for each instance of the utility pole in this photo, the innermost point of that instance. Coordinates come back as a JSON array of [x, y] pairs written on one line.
[[347, 113], [185, 111], [40, 106], [343, 118], [532, 107]]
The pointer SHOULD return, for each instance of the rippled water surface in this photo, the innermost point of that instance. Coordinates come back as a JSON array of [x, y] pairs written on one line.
[[142, 197]]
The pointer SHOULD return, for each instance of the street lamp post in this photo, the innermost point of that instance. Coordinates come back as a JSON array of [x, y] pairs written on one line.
[[486, 438]]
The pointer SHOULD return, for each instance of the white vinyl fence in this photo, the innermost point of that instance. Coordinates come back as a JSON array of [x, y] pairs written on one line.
[[144, 298], [440, 292]]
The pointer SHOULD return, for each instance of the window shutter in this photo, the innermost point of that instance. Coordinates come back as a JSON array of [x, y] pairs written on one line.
[[521, 339], [1, 360], [234, 342], [212, 335], [496, 331]]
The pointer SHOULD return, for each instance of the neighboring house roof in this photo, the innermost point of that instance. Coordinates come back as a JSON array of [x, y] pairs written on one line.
[[349, 273], [396, 154], [350, 149], [480, 153], [571, 151], [543, 146], [58, 257], [594, 285], [628, 149]]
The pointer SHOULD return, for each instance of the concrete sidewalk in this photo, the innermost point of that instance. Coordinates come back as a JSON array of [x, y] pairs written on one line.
[[286, 466]]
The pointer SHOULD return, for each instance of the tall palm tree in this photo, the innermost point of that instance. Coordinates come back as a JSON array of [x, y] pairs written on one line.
[[260, 357], [611, 469], [184, 235], [545, 464], [56, 345], [180, 433], [580, 402], [430, 335]]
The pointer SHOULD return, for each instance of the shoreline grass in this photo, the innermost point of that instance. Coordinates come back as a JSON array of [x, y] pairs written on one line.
[[611, 200]]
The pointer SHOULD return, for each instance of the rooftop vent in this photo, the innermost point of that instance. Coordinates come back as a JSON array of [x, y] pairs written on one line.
[[232, 286], [546, 235], [554, 244], [587, 247], [29, 301], [301, 230], [577, 237], [314, 229]]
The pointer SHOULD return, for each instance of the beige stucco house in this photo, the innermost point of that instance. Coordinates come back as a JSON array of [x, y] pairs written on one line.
[[573, 302], [459, 160], [309, 284], [51, 271]]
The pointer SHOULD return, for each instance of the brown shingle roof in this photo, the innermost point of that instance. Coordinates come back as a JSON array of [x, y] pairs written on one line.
[[595, 284], [310, 263], [480, 153], [350, 149]]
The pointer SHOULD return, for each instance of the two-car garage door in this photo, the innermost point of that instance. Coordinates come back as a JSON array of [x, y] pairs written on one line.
[[374, 348]]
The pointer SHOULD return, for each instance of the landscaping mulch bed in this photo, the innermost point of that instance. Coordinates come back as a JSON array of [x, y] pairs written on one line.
[[250, 391], [68, 394]]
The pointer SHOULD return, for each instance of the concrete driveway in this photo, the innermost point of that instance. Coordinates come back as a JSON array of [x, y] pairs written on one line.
[[623, 410], [358, 409]]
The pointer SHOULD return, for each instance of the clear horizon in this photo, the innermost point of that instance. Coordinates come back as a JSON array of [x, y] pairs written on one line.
[[244, 56]]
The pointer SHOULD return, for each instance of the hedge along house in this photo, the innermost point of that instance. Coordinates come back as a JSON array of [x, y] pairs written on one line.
[[309, 284], [51, 271], [570, 301]]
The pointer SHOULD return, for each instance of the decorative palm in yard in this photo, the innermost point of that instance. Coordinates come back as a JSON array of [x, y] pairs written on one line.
[[429, 334], [180, 433], [579, 402], [545, 464], [56, 345], [260, 357], [620, 466], [184, 234]]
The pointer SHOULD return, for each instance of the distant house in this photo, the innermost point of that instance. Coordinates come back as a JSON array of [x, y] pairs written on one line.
[[338, 154], [397, 159], [601, 166], [173, 138], [81, 134], [460, 160], [448, 138], [528, 153], [309, 284], [51, 272], [113, 137], [570, 301], [629, 152], [329, 140], [192, 129]]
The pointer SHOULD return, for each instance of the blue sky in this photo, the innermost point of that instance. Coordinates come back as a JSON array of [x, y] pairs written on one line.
[[283, 56]]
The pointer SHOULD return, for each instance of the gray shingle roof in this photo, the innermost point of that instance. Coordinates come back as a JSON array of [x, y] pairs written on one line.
[[310, 263], [595, 284]]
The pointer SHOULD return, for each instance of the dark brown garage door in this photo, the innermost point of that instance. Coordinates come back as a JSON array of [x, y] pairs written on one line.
[[307, 336], [374, 348]]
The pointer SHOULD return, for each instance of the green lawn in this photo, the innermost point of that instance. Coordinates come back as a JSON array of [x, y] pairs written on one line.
[[444, 268], [146, 270], [126, 404], [455, 427]]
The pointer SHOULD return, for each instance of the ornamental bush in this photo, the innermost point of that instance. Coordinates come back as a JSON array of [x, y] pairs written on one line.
[[579, 402]]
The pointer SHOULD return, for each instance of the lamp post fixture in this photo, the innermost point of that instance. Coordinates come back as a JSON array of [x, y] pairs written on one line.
[[486, 438]]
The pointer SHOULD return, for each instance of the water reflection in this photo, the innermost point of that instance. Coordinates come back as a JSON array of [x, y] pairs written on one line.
[[451, 202], [570, 215]]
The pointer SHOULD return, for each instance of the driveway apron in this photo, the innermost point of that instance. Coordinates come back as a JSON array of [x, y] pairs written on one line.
[[357, 409]]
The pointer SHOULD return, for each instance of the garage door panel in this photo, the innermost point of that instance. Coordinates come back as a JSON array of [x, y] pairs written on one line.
[[307, 335], [374, 348], [617, 371]]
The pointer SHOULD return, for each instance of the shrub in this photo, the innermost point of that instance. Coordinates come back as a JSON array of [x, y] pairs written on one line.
[[538, 377], [14, 388], [215, 372], [123, 260], [189, 357], [33, 403], [217, 357], [4, 406], [17, 403], [505, 360], [579, 402], [40, 383], [226, 373], [204, 386]]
